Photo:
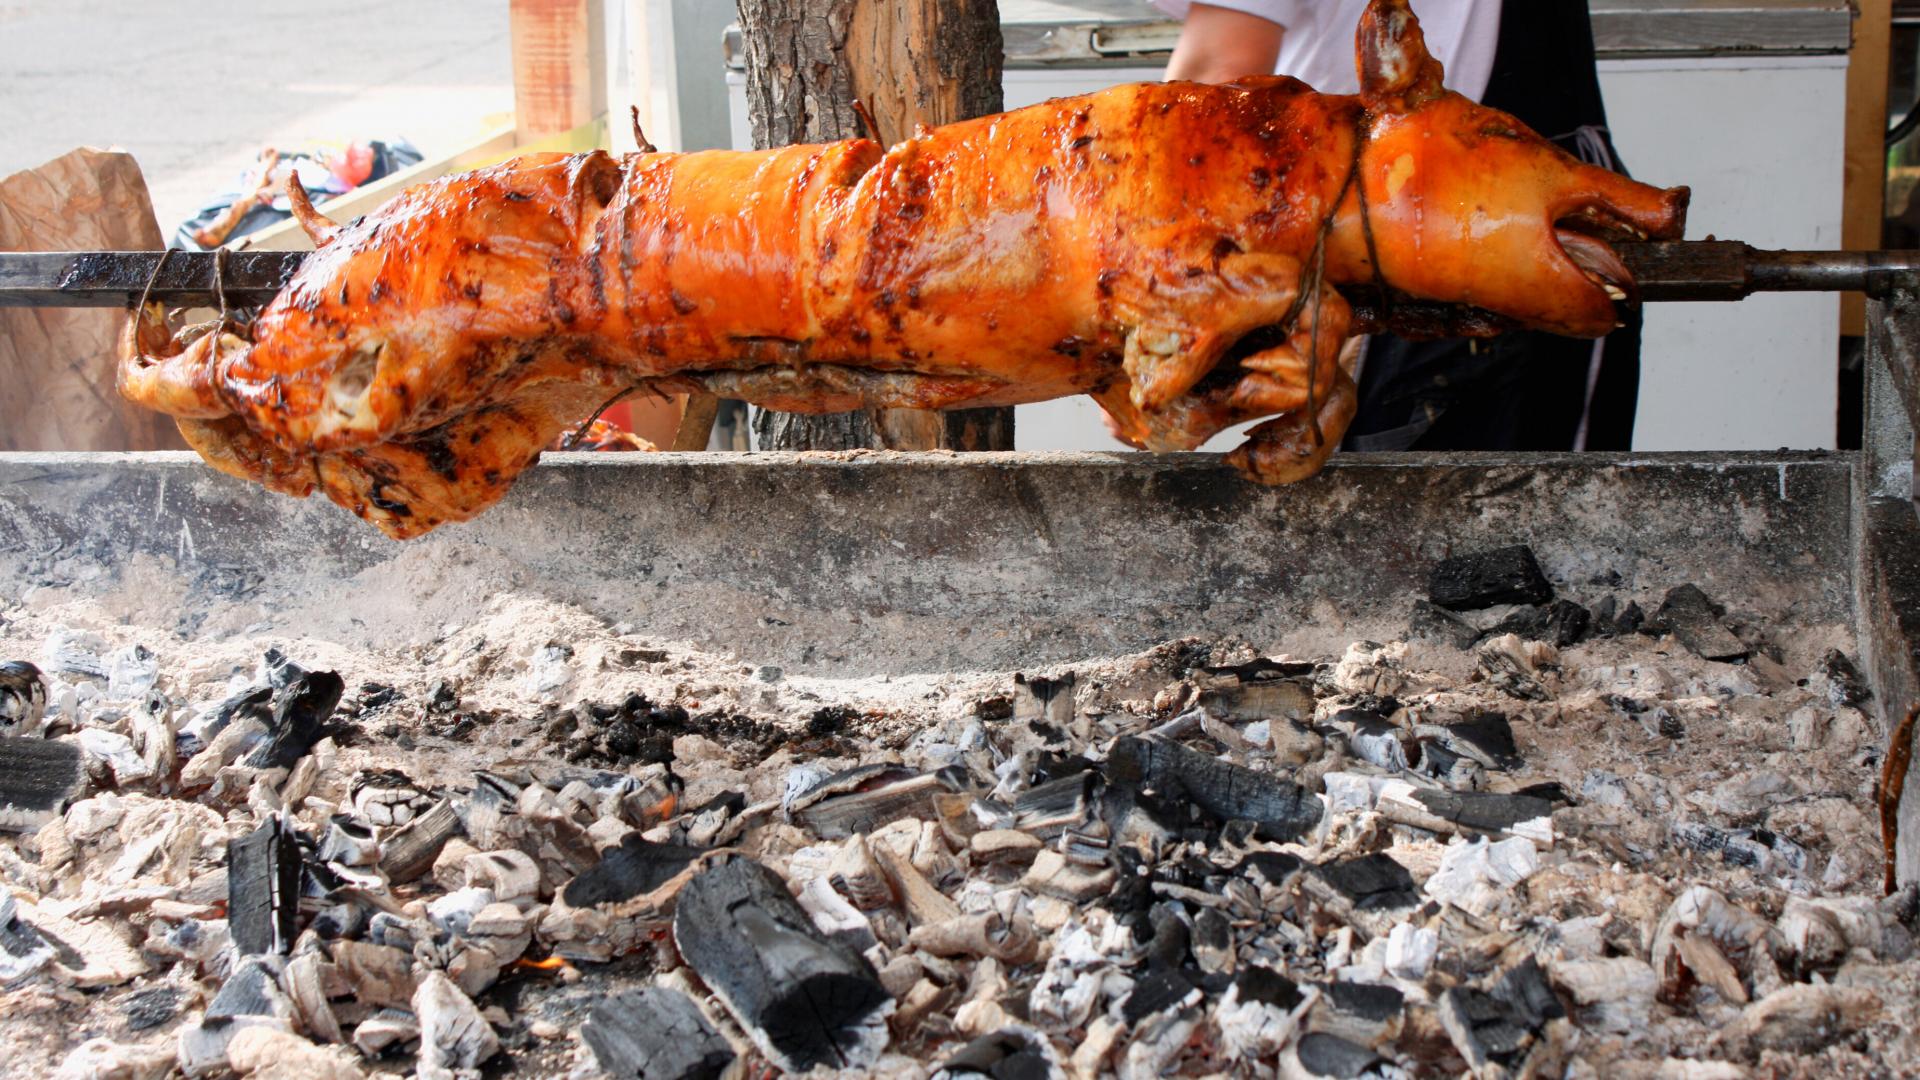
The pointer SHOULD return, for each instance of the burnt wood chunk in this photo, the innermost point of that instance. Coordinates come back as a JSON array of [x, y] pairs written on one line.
[[1161, 991], [805, 1000], [300, 714], [839, 816], [1485, 736], [1170, 773], [1845, 686], [410, 851], [1321, 1054], [655, 1034], [638, 870], [23, 950], [1277, 869], [1046, 703], [1486, 1031], [1694, 620], [38, 778], [1369, 892], [1432, 623], [1052, 808], [1002, 1055], [263, 889], [1509, 575], [1483, 811]]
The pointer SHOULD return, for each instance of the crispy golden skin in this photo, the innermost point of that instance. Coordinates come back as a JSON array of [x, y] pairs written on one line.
[[1172, 249]]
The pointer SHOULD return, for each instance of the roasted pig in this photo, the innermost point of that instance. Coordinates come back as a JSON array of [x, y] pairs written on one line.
[[1175, 250]]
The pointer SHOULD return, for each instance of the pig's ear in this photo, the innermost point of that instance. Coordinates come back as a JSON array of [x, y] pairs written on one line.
[[1396, 72]]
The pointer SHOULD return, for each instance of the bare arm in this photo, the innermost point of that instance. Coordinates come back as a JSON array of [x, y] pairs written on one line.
[[1220, 45]]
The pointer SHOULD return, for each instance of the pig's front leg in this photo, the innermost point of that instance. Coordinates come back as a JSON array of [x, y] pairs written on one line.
[[1286, 448]]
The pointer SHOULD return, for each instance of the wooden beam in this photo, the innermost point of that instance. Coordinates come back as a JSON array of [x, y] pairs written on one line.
[[1864, 186]]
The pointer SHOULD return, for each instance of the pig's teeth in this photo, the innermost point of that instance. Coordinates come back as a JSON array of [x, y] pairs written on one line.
[[1613, 291]]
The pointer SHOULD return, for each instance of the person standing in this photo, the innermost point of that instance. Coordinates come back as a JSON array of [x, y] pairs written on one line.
[[1533, 59]]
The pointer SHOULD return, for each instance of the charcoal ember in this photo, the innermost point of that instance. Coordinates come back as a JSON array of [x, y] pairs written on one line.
[[263, 888], [1212, 942], [1695, 621], [23, 950], [1703, 940], [1258, 1013], [1759, 850], [1280, 809], [1008, 1054], [1436, 625], [1568, 624], [1468, 811], [1516, 666], [1509, 575], [637, 879], [1376, 740], [1633, 620], [385, 1030], [1052, 875], [1041, 701], [386, 797], [1800, 1020], [300, 714], [1485, 737], [1049, 809], [1613, 994], [378, 974], [1320, 1054], [1603, 615], [1159, 992], [1487, 1032], [805, 1000], [1524, 989], [1167, 937], [75, 652], [305, 980], [1438, 760], [38, 779], [1246, 700], [1370, 891], [1845, 686], [1272, 869], [986, 933], [278, 670], [246, 713], [410, 850], [860, 802], [150, 1008], [655, 1033], [23, 698], [250, 997], [1561, 624], [453, 1035], [1369, 1014]]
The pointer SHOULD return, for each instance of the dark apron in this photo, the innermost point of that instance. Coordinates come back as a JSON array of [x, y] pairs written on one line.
[[1522, 391]]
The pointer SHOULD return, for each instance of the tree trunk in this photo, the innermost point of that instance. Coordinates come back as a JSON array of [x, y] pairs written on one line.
[[911, 62]]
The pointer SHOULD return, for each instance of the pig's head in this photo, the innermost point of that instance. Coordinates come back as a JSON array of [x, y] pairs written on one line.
[[1466, 205]]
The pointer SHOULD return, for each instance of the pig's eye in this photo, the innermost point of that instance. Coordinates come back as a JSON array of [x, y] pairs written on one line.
[[1498, 130]]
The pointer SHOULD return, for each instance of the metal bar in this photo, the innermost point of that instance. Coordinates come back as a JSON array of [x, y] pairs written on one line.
[[1700, 270], [116, 278]]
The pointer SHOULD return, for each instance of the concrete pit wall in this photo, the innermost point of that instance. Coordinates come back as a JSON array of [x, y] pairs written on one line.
[[877, 564]]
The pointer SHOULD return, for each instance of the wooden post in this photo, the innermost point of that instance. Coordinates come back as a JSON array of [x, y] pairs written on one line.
[[1865, 177], [913, 62]]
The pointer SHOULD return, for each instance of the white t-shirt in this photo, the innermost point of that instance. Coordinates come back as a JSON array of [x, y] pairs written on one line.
[[1317, 47]]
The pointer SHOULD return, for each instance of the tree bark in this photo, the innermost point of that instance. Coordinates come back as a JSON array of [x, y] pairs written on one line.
[[911, 62]]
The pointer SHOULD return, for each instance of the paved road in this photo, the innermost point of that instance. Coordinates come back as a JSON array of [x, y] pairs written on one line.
[[195, 90]]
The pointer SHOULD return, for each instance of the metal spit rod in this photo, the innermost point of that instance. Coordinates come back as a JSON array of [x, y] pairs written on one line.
[[1695, 270]]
